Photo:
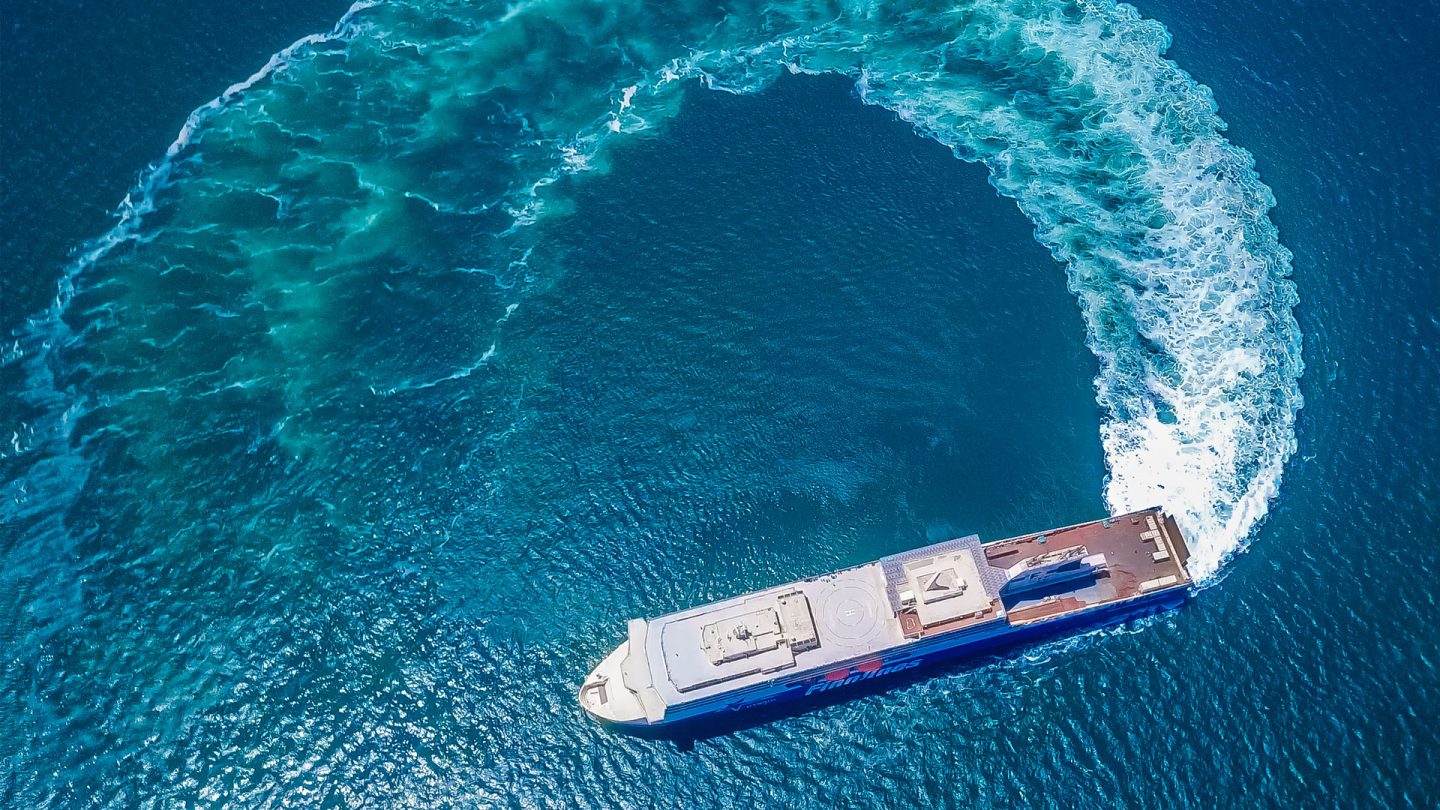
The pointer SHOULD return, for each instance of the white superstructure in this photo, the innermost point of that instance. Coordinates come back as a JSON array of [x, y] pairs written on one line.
[[876, 618]]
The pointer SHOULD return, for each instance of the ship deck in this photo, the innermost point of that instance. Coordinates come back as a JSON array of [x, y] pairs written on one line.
[[856, 616], [1144, 552], [857, 612], [851, 615]]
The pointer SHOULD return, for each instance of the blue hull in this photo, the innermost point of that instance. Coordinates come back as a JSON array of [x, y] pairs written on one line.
[[901, 667]]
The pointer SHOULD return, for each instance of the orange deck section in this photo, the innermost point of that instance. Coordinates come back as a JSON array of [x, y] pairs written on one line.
[[1130, 560]]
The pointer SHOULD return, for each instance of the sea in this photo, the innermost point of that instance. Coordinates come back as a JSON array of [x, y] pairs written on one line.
[[365, 368]]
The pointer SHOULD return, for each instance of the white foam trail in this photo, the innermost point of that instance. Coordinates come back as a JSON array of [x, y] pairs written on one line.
[[60, 472], [1111, 150], [140, 201], [1117, 156], [1159, 221]]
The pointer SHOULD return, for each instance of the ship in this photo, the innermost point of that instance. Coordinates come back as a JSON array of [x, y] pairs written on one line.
[[827, 635]]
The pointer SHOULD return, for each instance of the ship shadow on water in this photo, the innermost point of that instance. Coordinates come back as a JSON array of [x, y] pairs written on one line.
[[686, 734]]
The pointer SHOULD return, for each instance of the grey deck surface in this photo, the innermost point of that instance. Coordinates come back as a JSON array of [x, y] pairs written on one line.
[[852, 616]]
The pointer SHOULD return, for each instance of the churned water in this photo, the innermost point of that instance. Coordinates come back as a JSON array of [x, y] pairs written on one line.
[[448, 340]]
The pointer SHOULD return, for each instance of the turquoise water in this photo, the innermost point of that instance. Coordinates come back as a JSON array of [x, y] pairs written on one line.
[[448, 341]]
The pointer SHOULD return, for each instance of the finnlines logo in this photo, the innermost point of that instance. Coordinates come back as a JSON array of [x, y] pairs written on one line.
[[862, 672]]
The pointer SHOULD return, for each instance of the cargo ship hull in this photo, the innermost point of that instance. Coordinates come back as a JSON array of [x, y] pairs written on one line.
[[856, 630]]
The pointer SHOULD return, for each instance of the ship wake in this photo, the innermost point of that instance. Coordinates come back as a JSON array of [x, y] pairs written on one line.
[[1113, 152]]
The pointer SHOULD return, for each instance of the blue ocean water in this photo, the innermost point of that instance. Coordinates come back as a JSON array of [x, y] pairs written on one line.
[[450, 340]]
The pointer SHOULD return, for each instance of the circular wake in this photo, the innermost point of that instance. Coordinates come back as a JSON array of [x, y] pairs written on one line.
[[279, 192]]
